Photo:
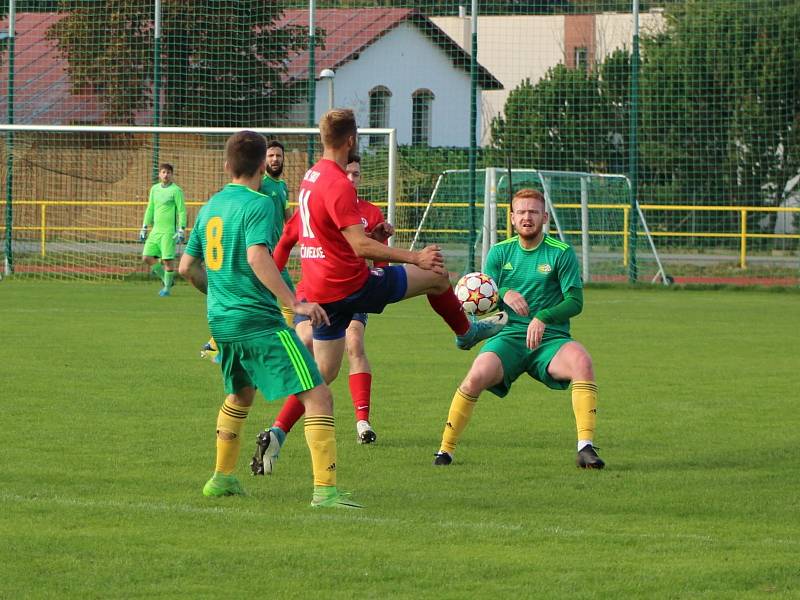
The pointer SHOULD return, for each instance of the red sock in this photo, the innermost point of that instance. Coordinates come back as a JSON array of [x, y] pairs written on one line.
[[449, 308], [360, 388], [291, 411]]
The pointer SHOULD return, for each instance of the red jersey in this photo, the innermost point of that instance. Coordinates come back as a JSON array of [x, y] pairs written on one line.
[[328, 203], [288, 240], [371, 217]]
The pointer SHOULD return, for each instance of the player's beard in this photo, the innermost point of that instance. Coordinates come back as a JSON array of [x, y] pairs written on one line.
[[275, 172], [530, 234]]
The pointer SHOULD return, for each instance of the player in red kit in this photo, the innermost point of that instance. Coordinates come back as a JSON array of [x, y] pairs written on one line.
[[334, 250], [360, 375]]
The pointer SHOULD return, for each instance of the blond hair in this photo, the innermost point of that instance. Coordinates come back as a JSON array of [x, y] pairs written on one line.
[[336, 126]]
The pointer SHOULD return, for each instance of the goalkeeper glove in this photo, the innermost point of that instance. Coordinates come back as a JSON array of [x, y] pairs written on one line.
[[178, 237], [143, 233]]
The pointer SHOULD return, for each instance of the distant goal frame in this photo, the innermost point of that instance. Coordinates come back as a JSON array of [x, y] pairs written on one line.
[[8, 131]]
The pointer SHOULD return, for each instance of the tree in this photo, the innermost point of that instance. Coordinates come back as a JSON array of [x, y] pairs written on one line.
[[556, 124], [721, 100], [223, 63], [615, 81]]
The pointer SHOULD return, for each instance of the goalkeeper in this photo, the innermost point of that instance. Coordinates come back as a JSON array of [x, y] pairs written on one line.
[[166, 214], [539, 281]]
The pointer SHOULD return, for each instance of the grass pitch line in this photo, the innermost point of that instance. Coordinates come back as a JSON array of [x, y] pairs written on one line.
[[161, 507], [555, 532]]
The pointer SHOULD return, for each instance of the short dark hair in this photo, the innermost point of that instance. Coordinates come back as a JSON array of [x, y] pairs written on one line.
[[245, 151], [530, 193], [356, 158], [167, 167], [276, 144], [335, 125]]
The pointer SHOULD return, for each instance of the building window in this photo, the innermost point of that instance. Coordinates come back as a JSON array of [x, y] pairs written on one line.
[[421, 109], [582, 58], [379, 112]]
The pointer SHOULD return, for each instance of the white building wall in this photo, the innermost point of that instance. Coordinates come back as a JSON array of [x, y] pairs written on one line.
[[514, 48], [405, 60], [615, 30], [511, 48]]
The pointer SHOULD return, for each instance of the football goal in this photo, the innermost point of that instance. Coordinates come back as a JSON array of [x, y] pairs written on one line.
[[75, 196], [590, 211]]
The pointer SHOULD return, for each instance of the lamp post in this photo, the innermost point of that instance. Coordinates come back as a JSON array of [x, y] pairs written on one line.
[[329, 75]]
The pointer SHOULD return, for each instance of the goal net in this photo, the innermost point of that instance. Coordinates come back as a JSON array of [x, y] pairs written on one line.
[[592, 212], [75, 196]]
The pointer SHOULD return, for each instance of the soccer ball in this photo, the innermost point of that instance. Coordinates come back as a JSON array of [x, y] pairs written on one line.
[[477, 293]]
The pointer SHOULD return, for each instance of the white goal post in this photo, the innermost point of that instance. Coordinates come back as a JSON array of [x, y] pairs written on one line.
[[573, 191]]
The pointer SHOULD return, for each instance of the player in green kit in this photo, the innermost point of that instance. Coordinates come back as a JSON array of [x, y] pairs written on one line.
[[274, 187], [234, 236], [540, 282], [276, 190], [166, 212]]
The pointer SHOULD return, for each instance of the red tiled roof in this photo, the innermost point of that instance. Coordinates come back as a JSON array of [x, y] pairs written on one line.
[[41, 83], [347, 32]]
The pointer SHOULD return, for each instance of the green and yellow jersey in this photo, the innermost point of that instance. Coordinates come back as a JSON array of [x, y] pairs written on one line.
[[278, 191], [166, 209], [240, 307], [542, 275]]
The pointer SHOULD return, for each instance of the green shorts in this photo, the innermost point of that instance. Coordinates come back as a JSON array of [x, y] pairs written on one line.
[[517, 359], [277, 363], [160, 244]]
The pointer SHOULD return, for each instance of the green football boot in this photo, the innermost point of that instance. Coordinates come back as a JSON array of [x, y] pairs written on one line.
[[330, 497], [222, 485]]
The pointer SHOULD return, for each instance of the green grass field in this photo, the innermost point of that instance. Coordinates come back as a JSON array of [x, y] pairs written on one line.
[[108, 422]]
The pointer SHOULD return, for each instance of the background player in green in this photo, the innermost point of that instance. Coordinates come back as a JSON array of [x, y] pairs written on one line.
[[166, 212], [234, 235], [274, 187], [540, 282]]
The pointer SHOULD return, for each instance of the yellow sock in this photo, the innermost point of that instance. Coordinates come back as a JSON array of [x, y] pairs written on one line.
[[288, 316], [321, 439], [229, 424], [457, 419], [584, 405]]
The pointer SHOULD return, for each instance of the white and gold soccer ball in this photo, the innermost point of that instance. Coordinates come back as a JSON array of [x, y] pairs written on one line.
[[477, 293]]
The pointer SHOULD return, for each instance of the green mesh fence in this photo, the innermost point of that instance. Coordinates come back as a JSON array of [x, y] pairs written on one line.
[[700, 111]]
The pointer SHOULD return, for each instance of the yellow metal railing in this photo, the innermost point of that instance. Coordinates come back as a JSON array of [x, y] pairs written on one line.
[[43, 228], [743, 235]]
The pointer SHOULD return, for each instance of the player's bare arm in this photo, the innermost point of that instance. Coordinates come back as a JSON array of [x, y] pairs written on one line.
[[516, 302], [535, 333], [192, 270], [382, 232], [429, 258], [264, 267], [313, 311]]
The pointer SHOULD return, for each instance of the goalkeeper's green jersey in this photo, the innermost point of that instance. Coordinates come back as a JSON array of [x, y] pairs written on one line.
[[542, 275], [239, 306], [278, 191], [165, 208]]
